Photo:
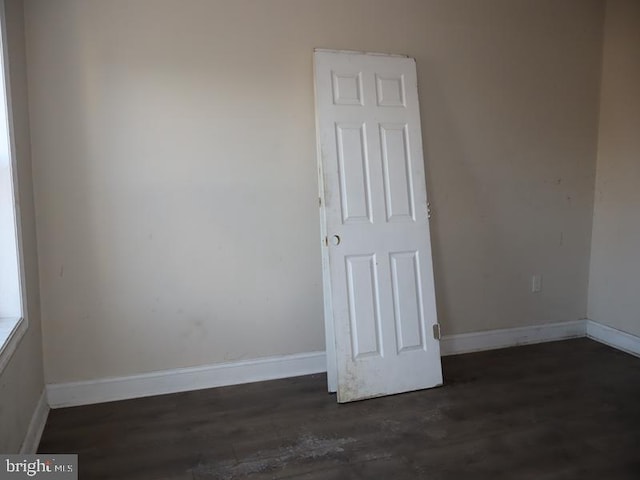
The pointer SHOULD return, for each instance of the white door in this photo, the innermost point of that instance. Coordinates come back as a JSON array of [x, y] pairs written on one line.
[[379, 291]]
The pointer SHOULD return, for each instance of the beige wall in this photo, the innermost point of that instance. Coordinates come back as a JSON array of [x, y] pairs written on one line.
[[615, 260], [175, 171], [21, 382]]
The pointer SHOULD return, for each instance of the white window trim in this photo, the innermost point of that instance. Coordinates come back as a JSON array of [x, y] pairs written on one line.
[[12, 329]]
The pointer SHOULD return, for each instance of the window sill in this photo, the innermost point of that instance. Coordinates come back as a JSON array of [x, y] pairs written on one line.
[[12, 329]]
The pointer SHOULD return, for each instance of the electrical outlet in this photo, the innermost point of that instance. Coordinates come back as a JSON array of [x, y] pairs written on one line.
[[536, 283]]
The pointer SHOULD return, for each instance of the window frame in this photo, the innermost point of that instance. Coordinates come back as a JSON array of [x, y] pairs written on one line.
[[12, 329]]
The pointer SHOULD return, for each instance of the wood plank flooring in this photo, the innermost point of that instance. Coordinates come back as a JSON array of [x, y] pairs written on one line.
[[563, 410]]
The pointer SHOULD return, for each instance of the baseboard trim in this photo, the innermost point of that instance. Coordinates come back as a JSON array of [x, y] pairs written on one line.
[[510, 337], [184, 379], [614, 338], [36, 426], [283, 366]]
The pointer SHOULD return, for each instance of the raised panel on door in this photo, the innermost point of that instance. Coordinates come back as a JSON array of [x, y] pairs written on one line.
[[396, 168], [376, 248], [390, 90], [364, 305], [407, 301], [353, 169]]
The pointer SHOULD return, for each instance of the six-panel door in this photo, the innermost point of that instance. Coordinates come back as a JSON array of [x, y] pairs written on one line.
[[379, 268]]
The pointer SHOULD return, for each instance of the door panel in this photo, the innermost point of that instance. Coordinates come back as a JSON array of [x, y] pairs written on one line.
[[390, 90], [353, 167], [407, 301], [364, 305], [397, 172], [377, 250]]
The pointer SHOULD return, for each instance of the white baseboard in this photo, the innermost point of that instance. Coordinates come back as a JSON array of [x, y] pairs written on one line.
[[185, 379], [614, 338], [510, 337], [271, 368], [36, 426]]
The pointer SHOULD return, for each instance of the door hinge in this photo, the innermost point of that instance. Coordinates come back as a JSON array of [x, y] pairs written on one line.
[[429, 210], [320, 201], [436, 331], [326, 241]]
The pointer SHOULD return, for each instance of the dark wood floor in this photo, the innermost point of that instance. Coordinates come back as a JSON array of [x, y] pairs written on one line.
[[564, 410]]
